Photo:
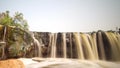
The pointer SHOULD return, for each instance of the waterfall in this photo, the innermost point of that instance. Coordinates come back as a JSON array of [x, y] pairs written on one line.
[[87, 47], [37, 45], [78, 45], [114, 44], [64, 45], [70, 42], [101, 45], [53, 49], [94, 45]]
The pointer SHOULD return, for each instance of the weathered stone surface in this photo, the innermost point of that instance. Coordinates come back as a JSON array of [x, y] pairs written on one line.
[[11, 63]]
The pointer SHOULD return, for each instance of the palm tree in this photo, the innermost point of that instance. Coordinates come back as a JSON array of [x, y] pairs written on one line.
[[5, 19]]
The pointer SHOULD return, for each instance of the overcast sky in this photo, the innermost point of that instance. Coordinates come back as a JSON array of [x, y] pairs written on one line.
[[66, 15]]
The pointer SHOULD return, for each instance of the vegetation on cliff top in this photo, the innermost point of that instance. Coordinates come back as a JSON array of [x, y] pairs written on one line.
[[16, 20], [14, 32]]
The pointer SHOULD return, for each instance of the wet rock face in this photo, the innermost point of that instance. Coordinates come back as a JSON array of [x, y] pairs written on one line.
[[44, 40], [18, 43], [42, 37]]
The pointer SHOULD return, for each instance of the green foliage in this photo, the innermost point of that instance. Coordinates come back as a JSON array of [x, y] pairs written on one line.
[[17, 20], [17, 37]]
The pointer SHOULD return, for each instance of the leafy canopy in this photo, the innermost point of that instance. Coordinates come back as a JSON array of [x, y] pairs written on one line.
[[17, 20]]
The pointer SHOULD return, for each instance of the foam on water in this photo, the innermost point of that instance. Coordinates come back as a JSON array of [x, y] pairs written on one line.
[[62, 63]]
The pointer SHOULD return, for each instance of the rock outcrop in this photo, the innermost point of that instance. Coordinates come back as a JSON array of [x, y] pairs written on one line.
[[11, 63], [15, 43]]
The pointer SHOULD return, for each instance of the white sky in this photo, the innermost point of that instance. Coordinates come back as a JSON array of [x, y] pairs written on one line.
[[66, 15]]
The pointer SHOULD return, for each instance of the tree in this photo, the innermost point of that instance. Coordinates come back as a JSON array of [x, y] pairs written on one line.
[[5, 19], [20, 21], [17, 20]]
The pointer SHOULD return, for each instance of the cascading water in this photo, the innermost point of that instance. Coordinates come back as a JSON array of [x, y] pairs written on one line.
[[70, 42], [88, 51], [64, 45], [92, 41], [53, 45], [100, 46], [78, 45], [114, 44], [37, 47], [83, 49], [91, 46]]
